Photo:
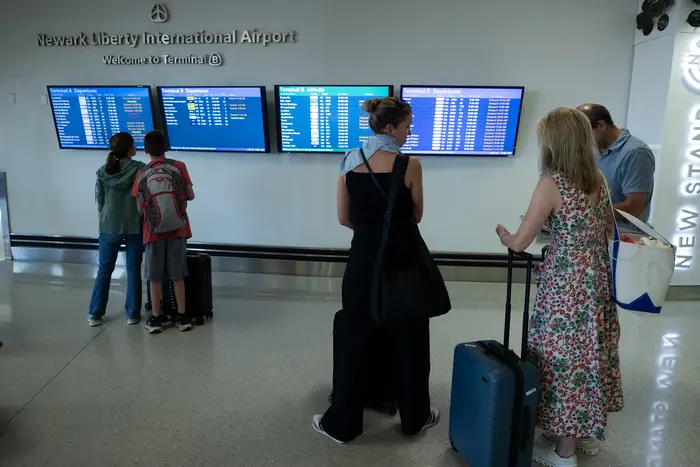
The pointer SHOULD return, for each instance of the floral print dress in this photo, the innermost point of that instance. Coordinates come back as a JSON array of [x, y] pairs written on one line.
[[574, 329]]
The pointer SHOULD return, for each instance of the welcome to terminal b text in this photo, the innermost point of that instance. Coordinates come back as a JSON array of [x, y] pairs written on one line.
[[245, 36]]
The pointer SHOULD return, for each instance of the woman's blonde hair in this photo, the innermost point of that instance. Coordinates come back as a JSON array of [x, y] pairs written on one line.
[[567, 145]]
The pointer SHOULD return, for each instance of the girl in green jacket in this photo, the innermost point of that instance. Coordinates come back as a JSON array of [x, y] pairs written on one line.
[[120, 223]]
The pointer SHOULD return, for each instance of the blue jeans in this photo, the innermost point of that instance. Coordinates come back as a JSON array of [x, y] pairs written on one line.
[[108, 250]]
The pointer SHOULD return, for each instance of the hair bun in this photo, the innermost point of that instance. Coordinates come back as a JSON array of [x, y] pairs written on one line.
[[371, 106]]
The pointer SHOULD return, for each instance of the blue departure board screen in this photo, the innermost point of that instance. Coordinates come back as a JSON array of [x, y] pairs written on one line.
[[87, 117], [463, 121], [225, 119], [324, 118]]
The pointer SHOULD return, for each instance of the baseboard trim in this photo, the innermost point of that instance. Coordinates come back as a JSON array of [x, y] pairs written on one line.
[[308, 262], [314, 262]]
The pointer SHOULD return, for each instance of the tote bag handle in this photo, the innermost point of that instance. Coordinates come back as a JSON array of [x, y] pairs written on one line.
[[642, 226]]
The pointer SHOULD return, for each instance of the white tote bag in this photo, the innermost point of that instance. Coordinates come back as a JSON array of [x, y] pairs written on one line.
[[641, 274]]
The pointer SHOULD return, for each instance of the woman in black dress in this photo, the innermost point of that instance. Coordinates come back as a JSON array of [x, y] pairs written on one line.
[[361, 207]]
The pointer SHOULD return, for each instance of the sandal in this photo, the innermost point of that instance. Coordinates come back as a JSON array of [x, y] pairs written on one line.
[[547, 456], [590, 446]]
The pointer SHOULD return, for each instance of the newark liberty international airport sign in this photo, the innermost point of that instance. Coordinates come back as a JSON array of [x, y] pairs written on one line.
[[160, 14]]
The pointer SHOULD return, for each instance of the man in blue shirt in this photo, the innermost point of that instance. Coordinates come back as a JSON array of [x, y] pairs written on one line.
[[626, 162]]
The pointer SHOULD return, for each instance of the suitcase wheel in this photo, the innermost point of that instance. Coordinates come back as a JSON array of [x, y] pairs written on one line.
[[452, 444], [199, 321], [210, 315]]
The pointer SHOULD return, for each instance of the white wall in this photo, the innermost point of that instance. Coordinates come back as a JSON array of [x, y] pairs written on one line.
[[565, 52], [646, 114], [649, 89]]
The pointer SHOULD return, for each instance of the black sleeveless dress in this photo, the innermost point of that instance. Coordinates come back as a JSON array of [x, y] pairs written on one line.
[[405, 354]]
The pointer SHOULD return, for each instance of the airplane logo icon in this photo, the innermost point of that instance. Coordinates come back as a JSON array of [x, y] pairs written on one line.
[[159, 13]]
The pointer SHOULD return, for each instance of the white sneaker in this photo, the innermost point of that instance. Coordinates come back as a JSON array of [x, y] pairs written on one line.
[[590, 446], [547, 456], [132, 321], [94, 321], [433, 420], [316, 423]]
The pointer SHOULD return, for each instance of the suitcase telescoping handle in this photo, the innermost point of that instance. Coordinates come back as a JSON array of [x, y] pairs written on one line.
[[526, 312]]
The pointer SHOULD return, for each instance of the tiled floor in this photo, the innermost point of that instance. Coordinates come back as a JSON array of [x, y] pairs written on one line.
[[240, 391]]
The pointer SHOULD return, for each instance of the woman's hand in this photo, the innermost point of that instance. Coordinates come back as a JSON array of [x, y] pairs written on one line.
[[545, 201], [501, 232]]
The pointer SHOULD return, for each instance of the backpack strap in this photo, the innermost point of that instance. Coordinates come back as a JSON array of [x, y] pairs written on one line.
[[164, 161]]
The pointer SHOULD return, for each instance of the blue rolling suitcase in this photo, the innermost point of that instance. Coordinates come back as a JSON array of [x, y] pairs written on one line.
[[495, 394]]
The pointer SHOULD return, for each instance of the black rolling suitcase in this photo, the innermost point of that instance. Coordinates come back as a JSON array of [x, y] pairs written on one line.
[[377, 392], [495, 394], [198, 290]]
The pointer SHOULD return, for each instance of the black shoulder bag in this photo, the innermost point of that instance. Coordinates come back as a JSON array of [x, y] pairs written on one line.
[[409, 292]]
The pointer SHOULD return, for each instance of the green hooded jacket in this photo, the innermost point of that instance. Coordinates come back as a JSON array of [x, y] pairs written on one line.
[[117, 208]]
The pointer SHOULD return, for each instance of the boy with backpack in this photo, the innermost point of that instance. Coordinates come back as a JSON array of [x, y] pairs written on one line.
[[162, 191]]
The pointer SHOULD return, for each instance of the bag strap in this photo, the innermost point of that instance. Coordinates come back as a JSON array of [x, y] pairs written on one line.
[[616, 230], [371, 172], [397, 179], [642, 226], [616, 237], [398, 174]]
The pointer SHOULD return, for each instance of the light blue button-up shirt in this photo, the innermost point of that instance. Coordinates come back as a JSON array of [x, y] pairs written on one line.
[[629, 167]]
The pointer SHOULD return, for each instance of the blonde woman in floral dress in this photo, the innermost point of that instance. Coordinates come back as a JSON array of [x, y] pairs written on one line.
[[574, 330]]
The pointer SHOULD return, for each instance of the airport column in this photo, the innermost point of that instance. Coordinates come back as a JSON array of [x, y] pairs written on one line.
[[5, 251], [664, 111]]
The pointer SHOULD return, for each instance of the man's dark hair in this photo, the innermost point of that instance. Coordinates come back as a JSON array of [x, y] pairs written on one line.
[[155, 143], [597, 113]]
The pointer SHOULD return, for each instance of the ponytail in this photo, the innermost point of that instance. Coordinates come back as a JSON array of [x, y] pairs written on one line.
[[112, 164], [121, 146]]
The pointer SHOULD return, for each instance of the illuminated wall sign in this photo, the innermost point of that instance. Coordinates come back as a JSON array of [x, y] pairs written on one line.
[[160, 14], [690, 67], [677, 196], [686, 232], [685, 235]]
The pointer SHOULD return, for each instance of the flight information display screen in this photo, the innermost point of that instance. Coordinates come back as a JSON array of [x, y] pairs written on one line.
[[324, 118], [225, 119], [463, 121], [87, 117]]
